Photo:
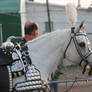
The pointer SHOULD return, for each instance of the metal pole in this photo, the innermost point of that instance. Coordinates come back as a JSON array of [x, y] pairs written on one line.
[[69, 81], [48, 13], [0, 34], [78, 3]]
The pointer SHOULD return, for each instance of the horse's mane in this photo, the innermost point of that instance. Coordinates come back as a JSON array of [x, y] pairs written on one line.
[[48, 35], [43, 36]]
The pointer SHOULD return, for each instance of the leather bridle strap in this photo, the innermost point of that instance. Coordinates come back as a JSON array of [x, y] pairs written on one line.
[[67, 47], [84, 58], [79, 51], [77, 47]]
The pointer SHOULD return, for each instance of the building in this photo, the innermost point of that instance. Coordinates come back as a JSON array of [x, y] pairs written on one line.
[[14, 14], [10, 20], [38, 12]]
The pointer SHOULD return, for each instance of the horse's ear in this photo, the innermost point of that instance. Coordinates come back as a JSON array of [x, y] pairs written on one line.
[[82, 26]]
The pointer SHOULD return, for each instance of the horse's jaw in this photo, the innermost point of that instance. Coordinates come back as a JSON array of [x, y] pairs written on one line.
[[72, 54]]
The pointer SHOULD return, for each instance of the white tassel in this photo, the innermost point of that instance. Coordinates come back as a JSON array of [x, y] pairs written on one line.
[[71, 13]]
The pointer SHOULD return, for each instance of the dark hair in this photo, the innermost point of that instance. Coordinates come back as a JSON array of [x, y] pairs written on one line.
[[30, 27]]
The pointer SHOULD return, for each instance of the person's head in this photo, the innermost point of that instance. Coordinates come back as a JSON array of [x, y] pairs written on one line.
[[31, 30]]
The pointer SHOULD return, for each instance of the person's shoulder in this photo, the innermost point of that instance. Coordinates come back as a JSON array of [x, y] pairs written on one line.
[[23, 41]]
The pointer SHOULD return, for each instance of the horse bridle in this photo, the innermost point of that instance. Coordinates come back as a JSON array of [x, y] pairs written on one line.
[[84, 58]]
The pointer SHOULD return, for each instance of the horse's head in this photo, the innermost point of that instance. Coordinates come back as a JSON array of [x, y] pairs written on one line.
[[84, 47], [81, 50]]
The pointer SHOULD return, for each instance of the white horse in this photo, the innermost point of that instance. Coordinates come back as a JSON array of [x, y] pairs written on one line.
[[48, 50]]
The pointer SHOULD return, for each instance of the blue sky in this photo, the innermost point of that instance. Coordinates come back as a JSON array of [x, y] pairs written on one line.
[[84, 3]]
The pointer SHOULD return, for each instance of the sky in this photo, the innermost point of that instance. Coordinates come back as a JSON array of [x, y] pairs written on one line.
[[84, 3]]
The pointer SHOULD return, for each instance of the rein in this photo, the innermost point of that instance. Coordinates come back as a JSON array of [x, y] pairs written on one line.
[[84, 58]]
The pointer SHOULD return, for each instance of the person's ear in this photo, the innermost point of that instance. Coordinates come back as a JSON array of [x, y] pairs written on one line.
[[36, 33]]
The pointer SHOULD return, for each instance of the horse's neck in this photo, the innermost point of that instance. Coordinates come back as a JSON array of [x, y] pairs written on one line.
[[47, 51]]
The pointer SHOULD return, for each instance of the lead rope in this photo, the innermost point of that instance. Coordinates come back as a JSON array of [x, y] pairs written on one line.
[[68, 89]]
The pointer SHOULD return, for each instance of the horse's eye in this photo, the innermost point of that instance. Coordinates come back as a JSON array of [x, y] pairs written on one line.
[[82, 44]]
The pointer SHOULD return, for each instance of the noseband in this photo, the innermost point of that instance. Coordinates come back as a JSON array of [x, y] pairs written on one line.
[[84, 57]]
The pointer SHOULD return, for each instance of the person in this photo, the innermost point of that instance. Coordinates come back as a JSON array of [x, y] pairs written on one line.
[[31, 31]]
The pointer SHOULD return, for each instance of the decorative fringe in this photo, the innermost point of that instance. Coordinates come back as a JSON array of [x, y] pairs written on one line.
[[71, 13]]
